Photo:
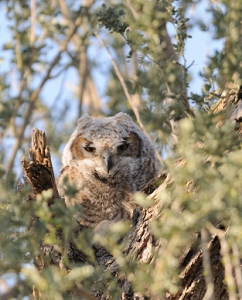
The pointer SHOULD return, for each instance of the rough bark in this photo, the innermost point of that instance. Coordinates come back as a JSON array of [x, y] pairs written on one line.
[[39, 169]]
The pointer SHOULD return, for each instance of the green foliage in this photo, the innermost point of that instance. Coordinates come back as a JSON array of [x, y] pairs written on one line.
[[203, 190], [112, 19], [227, 26], [27, 227], [158, 74]]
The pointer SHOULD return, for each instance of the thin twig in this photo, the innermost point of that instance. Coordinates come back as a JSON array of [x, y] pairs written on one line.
[[83, 71], [134, 12], [207, 266], [65, 11], [18, 101], [228, 267], [121, 79], [83, 64], [35, 94], [237, 267], [33, 21], [94, 102]]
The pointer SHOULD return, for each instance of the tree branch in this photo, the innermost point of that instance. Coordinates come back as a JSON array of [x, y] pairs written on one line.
[[83, 71], [124, 86], [207, 266], [33, 21], [35, 94]]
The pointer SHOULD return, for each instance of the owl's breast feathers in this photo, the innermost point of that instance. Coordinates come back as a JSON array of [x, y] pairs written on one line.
[[102, 198]]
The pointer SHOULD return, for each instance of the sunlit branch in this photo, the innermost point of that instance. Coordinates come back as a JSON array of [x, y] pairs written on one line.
[[33, 21], [209, 295], [35, 94], [121, 79]]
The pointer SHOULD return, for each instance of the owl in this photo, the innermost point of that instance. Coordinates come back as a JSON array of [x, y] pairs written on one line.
[[107, 160]]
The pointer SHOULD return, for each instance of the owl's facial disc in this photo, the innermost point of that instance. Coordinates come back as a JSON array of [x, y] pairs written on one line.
[[106, 156]]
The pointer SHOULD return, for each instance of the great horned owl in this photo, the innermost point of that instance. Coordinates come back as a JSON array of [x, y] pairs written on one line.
[[107, 159]]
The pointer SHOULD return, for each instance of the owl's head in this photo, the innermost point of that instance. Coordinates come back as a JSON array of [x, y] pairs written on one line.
[[107, 144]]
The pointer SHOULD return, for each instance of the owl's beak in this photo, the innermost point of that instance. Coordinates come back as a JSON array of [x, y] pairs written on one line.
[[108, 161]]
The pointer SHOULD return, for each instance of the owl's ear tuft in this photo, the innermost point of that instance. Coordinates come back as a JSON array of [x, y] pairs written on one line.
[[84, 119], [123, 117]]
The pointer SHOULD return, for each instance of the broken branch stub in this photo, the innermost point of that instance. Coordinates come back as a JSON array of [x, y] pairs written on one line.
[[39, 169]]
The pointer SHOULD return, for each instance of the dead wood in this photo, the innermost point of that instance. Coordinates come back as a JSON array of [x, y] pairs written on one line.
[[39, 169]]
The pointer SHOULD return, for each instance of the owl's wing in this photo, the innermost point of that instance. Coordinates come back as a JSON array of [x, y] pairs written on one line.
[[60, 180], [69, 177]]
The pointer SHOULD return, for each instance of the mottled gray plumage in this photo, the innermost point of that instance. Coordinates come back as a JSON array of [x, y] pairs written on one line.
[[108, 159]]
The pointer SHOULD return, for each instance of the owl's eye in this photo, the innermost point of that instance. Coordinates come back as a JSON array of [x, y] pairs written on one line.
[[90, 149], [122, 147]]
